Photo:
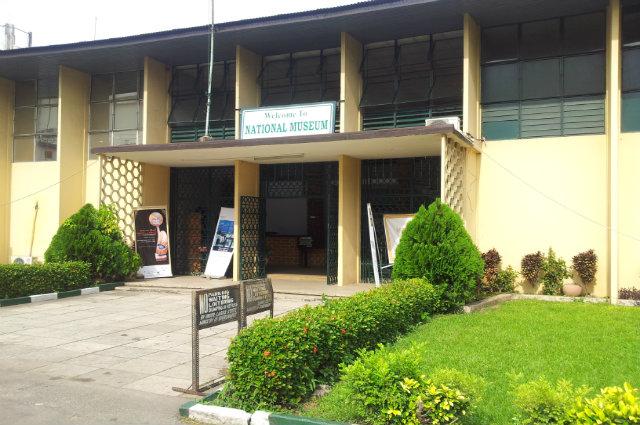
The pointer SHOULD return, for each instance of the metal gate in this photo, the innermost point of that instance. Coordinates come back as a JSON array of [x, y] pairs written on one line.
[[332, 222], [196, 197], [393, 186], [252, 240]]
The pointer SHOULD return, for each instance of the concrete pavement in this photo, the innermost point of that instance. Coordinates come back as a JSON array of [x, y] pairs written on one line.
[[94, 358]]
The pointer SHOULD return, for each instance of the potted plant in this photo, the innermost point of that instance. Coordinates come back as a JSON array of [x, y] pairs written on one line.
[[585, 264]]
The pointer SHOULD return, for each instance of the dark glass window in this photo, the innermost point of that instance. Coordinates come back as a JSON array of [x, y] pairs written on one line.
[[544, 78]]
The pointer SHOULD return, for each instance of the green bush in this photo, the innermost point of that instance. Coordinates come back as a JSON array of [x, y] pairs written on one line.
[[614, 405], [538, 402], [385, 387], [554, 271], [93, 236], [278, 361], [506, 280], [21, 280], [436, 246]]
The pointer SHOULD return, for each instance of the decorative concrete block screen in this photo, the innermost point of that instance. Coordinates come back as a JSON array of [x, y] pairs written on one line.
[[454, 157], [121, 185]]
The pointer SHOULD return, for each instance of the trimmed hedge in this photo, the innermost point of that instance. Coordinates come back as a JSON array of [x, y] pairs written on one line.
[[277, 362], [21, 280]]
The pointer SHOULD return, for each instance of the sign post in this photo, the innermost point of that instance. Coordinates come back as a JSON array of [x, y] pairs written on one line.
[[212, 307]]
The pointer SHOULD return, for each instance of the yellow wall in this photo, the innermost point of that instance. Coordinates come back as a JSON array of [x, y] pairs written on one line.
[[155, 185], [248, 65], [349, 220], [517, 219], [350, 84], [471, 80], [629, 222], [156, 103], [73, 133], [247, 183], [93, 184], [6, 157], [35, 182]]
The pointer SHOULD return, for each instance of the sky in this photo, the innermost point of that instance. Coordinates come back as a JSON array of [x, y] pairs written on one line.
[[69, 21]]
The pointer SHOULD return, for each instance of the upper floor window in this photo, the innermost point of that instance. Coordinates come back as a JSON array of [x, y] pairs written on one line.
[[303, 77], [35, 135], [630, 67], [406, 81], [188, 90], [116, 109], [544, 78]]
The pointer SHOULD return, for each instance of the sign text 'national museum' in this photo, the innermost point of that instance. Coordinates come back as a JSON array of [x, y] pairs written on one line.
[[284, 121]]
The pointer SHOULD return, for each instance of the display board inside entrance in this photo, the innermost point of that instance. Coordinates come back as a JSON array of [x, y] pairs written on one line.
[[394, 225]]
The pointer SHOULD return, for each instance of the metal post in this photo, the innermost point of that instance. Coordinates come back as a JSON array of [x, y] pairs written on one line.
[[195, 345], [206, 125]]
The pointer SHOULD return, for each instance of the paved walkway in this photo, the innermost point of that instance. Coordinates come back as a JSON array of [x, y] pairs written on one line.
[[135, 341]]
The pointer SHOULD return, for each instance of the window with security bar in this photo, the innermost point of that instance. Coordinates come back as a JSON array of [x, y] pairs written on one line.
[[35, 135], [188, 90], [409, 80], [544, 78], [115, 109], [630, 66], [302, 77]]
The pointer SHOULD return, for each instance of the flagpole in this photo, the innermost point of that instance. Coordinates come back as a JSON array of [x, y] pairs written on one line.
[[206, 125]]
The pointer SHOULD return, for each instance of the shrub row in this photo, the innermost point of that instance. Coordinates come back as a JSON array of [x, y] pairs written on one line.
[[277, 362], [539, 403], [386, 387], [21, 280]]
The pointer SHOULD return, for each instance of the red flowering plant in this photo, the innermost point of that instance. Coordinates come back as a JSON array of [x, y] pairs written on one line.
[[554, 271], [278, 362]]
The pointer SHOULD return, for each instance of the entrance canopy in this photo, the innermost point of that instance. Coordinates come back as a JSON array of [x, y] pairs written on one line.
[[373, 144]]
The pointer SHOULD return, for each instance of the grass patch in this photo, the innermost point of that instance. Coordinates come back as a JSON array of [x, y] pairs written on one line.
[[593, 344]]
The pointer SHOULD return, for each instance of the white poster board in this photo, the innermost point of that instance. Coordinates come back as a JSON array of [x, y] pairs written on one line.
[[222, 246], [394, 224]]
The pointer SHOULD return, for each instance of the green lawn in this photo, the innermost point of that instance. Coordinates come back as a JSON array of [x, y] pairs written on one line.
[[593, 344]]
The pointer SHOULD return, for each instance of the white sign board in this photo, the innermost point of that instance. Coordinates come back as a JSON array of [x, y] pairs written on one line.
[[286, 121], [394, 224], [222, 247]]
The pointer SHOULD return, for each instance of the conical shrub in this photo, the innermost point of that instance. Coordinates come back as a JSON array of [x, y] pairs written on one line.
[[436, 246]]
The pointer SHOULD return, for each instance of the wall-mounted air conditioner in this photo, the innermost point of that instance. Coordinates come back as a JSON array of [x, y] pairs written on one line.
[[455, 121], [22, 259]]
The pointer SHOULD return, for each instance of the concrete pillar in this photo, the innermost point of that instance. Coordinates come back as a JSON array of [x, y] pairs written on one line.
[[156, 103], [7, 96], [155, 114], [349, 220], [350, 84], [73, 139], [471, 78], [247, 183], [612, 127], [248, 66], [472, 121]]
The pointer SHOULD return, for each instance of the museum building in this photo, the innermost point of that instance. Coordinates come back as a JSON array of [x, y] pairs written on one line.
[[523, 116]]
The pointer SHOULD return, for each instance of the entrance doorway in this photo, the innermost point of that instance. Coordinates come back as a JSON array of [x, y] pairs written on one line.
[[301, 226]]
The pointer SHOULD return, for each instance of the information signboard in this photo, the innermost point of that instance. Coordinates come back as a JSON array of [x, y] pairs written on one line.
[[217, 306]]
